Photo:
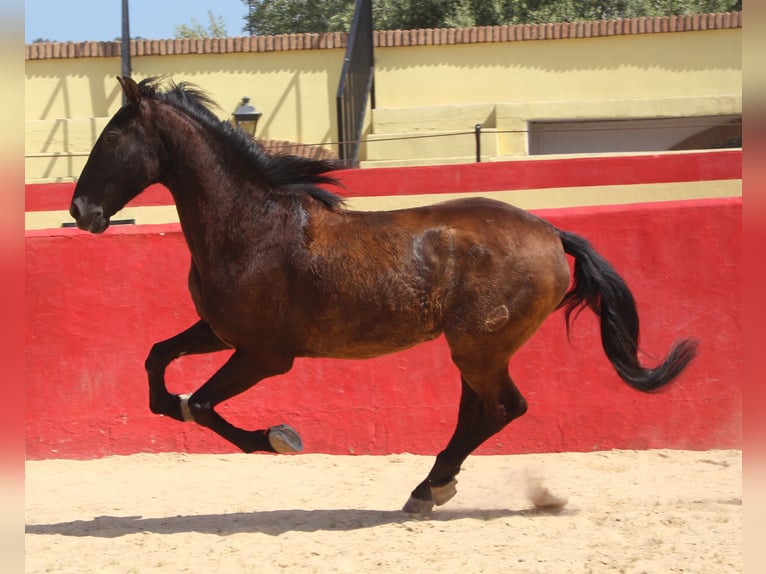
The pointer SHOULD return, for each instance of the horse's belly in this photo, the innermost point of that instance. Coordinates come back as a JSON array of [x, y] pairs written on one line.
[[361, 335], [361, 349]]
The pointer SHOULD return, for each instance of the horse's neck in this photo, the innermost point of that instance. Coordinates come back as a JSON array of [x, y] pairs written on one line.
[[194, 158], [205, 192]]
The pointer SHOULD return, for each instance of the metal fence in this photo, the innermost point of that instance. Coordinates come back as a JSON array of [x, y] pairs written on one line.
[[357, 83]]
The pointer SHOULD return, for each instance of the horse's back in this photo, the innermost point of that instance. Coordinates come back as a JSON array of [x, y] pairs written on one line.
[[470, 206], [480, 223]]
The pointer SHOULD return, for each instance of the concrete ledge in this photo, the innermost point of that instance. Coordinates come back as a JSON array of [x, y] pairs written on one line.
[[431, 145], [432, 118], [420, 135]]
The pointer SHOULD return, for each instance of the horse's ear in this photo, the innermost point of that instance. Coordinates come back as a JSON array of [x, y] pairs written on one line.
[[130, 89]]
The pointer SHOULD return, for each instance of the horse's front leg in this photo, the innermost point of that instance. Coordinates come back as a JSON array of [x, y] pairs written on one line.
[[238, 374], [197, 339]]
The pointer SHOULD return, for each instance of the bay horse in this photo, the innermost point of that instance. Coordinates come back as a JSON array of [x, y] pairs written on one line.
[[281, 269]]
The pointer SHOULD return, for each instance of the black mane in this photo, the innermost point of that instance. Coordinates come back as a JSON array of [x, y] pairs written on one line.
[[285, 171]]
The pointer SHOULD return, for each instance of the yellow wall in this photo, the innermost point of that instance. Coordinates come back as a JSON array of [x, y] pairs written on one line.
[[294, 90], [602, 68], [507, 83]]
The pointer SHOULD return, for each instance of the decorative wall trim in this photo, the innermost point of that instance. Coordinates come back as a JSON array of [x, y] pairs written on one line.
[[390, 38]]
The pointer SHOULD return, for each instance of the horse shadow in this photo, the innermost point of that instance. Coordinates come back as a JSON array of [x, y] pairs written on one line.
[[271, 522]]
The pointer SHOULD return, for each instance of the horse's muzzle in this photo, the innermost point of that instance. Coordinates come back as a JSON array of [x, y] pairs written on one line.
[[88, 217]]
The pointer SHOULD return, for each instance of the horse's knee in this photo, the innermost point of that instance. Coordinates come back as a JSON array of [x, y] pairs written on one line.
[[161, 402], [155, 361]]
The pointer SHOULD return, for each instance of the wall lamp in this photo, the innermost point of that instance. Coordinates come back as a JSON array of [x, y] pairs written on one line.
[[246, 117]]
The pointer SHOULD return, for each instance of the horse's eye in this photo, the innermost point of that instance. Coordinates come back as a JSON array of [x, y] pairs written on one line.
[[112, 136]]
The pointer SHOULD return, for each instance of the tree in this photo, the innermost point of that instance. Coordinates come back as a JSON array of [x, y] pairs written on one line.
[[216, 28], [294, 16], [538, 11]]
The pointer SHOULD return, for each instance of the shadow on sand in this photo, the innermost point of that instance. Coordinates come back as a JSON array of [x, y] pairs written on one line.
[[271, 522]]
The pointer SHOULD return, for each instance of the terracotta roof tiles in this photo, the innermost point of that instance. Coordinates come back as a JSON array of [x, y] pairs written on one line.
[[390, 38]]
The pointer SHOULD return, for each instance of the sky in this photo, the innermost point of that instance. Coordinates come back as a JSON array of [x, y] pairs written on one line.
[[101, 20]]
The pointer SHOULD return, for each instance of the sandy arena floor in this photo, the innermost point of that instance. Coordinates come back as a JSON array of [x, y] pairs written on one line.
[[657, 511]]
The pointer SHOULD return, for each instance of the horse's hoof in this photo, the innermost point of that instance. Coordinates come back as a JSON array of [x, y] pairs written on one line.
[[444, 493], [283, 438], [418, 507]]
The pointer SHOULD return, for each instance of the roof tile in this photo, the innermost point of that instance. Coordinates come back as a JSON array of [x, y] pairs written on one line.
[[390, 38]]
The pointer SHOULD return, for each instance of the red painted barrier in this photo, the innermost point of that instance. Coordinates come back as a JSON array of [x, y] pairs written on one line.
[[480, 177], [95, 305]]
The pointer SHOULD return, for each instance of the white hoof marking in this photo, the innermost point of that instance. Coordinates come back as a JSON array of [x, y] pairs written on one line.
[[185, 412]]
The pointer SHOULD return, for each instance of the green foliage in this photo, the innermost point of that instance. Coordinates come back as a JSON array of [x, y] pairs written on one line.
[[293, 16], [539, 11], [216, 28]]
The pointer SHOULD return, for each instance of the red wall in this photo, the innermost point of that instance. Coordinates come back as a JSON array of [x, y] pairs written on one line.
[[481, 177], [95, 305]]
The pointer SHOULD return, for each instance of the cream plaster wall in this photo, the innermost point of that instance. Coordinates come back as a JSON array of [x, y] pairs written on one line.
[[423, 88]]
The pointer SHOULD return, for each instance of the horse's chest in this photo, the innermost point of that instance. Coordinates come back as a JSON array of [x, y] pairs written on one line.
[[223, 299]]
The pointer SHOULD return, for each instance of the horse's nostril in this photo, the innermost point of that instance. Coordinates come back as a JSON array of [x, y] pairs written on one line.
[[74, 211]]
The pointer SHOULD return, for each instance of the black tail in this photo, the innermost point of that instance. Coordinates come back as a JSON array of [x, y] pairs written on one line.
[[599, 287]]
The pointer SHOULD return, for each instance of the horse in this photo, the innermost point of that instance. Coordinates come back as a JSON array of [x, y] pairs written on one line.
[[281, 268]]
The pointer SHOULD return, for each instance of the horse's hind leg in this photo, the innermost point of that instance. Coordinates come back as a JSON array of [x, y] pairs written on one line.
[[487, 405], [197, 339], [442, 475]]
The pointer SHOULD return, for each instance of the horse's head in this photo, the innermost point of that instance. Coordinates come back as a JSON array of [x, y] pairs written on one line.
[[124, 160]]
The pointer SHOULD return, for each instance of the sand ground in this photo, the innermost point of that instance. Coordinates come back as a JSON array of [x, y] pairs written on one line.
[[657, 511]]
